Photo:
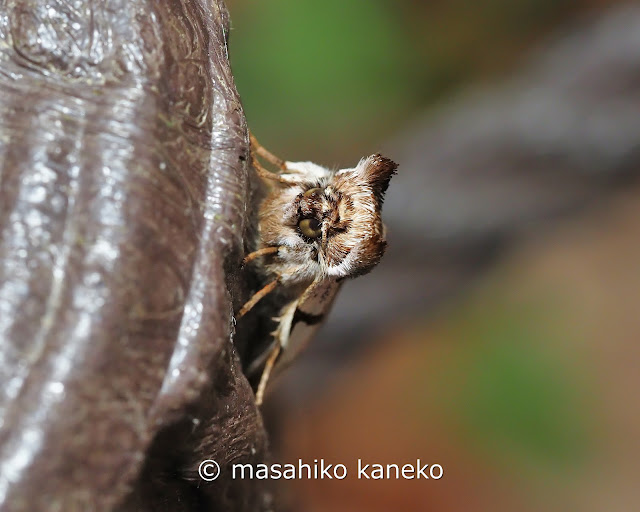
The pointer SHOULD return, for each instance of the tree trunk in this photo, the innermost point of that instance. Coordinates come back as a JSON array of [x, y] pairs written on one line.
[[123, 204]]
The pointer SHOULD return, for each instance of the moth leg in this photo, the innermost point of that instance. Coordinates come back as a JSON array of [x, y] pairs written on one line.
[[264, 378], [281, 335], [260, 252], [265, 290], [257, 148], [268, 175], [267, 155]]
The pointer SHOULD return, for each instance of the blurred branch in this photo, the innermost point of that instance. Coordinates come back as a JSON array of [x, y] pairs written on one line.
[[123, 186]]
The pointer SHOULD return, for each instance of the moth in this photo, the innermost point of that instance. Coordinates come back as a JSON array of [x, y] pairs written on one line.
[[317, 227]]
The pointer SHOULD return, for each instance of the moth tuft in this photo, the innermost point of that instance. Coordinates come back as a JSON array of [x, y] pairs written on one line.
[[377, 170]]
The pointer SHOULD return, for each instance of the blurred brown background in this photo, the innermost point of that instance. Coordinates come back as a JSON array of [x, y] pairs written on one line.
[[499, 337]]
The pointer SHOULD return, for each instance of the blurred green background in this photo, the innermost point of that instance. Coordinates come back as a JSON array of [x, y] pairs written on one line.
[[516, 389], [329, 80]]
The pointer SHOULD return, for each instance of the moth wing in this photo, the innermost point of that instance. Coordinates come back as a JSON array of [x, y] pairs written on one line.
[[307, 318]]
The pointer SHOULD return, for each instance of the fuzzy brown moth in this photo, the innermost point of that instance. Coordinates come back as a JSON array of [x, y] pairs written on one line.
[[317, 226]]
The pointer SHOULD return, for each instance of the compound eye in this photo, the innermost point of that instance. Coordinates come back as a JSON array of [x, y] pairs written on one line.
[[312, 192], [311, 228]]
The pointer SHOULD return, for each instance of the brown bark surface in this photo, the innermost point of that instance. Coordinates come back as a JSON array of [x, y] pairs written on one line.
[[123, 202]]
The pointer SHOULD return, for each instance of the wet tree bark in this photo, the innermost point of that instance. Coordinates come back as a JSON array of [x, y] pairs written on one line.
[[123, 204]]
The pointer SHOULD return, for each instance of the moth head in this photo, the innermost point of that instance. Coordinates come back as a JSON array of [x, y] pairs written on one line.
[[329, 221], [342, 219]]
